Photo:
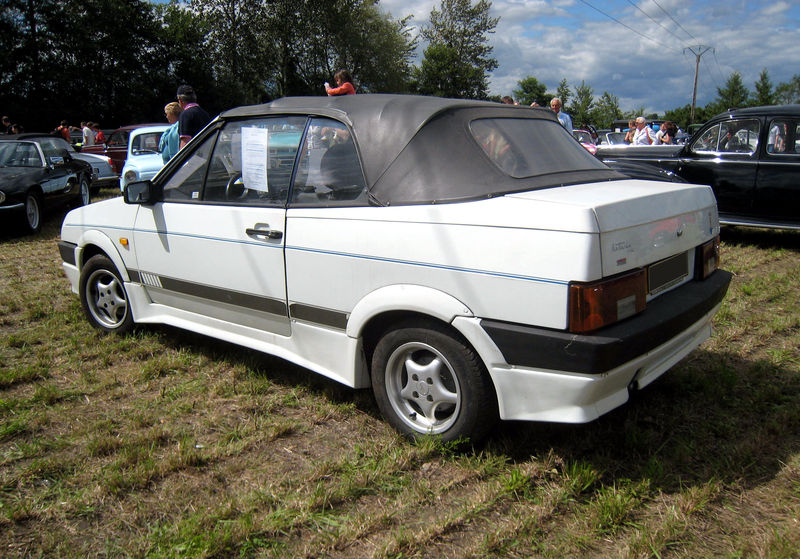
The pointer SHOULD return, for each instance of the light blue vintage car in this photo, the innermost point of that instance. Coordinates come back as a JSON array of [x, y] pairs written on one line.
[[144, 159]]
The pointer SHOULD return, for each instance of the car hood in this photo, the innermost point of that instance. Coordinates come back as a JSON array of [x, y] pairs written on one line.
[[113, 213], [12, 178], [146, 162]]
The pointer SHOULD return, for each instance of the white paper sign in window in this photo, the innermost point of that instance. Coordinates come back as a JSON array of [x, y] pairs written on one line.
[[255, 143]]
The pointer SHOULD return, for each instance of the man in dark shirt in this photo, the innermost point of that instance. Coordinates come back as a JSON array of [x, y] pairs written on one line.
[[193, 118]]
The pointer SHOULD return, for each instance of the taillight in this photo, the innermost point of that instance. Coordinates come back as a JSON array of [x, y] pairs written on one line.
[[600, 303], [707, 258]]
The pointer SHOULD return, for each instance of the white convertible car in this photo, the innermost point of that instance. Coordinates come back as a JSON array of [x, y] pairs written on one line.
[[467, 260]]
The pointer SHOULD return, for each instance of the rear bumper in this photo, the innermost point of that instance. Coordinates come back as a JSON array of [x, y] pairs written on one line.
[[665, 318], [541, 375]]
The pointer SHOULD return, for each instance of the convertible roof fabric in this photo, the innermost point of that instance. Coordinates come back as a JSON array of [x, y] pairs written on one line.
[[417, 149]]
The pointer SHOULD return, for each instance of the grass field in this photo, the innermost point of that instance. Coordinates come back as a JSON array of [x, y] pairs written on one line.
[[168, 444]]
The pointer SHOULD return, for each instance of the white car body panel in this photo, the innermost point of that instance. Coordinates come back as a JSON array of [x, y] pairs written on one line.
[[413, 258], [318, 280]]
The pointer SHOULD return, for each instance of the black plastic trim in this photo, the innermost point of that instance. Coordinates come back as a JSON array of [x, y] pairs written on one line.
[[67, 251], [607, 348], [326, 317]]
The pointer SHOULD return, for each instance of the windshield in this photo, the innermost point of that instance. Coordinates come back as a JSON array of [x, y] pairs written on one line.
[[19, 154], [145, 143]]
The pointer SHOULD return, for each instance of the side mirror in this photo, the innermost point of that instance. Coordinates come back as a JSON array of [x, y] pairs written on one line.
[[141, 192]]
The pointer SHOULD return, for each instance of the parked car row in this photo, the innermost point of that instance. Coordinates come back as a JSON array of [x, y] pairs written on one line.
[[750, 158], [509, 274], [38, 172]]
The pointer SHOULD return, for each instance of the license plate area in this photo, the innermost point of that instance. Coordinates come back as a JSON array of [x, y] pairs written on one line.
[[666, 273]]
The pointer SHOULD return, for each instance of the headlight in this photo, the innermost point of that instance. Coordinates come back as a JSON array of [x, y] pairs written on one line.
[[130, 175], [2, 196]]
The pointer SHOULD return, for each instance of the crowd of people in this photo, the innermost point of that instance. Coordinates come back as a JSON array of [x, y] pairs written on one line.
[[639, 132], [187, 118]]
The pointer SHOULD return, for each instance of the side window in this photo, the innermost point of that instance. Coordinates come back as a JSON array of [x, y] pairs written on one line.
[[186, 183], [739, 136], [707, 140], [782, 137], [118, 139], [733, 136], [329, 172], [253, 160], [53, 153]]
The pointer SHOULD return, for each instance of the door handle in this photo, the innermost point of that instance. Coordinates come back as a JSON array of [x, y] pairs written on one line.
[[269, 233]]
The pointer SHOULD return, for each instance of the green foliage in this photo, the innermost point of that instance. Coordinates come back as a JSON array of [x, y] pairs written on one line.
[[764, 93], [606, 110], [75, 60], [457, 61], [732, 95], [582, 105], [789, 92], [563, 93], [530, 89], [443, 73]]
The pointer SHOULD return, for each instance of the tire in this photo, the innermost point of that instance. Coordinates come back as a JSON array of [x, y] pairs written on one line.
[[428, 381], [103, 296], [32, 212], [84, 193]]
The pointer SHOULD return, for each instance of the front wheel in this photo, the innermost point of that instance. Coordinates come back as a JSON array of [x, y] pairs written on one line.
[[427, 381], [103, 296]]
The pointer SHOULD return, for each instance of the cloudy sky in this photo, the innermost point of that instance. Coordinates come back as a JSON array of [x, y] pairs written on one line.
[[635, 49]]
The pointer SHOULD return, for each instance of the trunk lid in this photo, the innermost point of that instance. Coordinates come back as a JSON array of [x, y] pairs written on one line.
[[638, 222]]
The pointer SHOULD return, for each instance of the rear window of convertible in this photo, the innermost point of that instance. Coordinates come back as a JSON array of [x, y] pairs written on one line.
[[524, 147]]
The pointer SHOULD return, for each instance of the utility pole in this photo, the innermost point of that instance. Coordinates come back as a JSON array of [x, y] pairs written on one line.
[[697, 51]]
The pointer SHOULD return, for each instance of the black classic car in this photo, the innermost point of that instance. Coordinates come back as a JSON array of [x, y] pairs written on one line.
[[749, 157], [37, 172]]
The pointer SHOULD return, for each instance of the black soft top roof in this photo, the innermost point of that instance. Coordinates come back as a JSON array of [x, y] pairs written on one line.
[[417, 149]]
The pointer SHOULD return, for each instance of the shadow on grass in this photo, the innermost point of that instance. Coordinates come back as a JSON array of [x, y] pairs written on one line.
[[770, 239], [712, 417]]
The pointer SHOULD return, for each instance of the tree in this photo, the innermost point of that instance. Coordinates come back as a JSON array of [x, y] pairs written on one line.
[[582, 105], [530, 89], [788, 92], [732, 95], [605, 111], [444, 73], [458, 33], [764, 94], [563, 93]]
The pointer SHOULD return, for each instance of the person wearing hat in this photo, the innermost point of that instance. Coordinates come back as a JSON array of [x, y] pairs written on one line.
[[193, 117]]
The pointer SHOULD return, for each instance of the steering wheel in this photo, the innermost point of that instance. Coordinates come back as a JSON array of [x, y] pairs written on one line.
[[234, 185]]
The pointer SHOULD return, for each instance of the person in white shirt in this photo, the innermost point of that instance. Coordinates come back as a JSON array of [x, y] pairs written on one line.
[[563, 118], [88, 134], [644, 135]]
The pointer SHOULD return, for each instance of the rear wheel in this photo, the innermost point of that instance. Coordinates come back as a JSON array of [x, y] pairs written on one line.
[[84, 193], [428, 381], [32, 218], [103, 296]]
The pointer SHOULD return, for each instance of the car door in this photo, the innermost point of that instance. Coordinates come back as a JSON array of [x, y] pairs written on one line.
[[60, 168], [117, 149], [777, 185], [724, 156], [215, 246]]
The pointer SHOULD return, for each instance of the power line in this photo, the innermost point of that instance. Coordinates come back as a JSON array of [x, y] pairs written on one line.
[[651, 18], [624, 25], [673, 19]]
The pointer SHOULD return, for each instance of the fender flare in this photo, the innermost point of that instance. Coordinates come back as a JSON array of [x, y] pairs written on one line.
[[105, 244], [405, 297]]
